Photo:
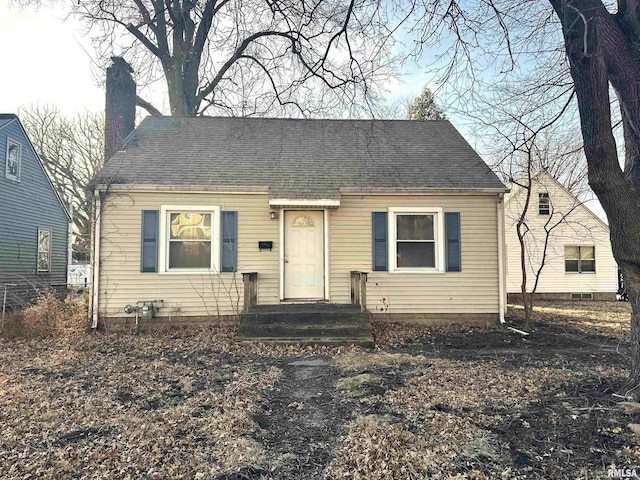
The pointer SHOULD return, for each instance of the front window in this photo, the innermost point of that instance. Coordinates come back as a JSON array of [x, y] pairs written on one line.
[[416, 239], [44, 250], [415, 242], [579, 259], [13, 157], [188, 239]]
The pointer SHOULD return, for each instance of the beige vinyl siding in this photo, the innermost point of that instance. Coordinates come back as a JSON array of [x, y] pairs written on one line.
[[579, 229], [473, 290], [121, 281]]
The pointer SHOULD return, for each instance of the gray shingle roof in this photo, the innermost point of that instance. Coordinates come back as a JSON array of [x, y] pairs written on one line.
[[301, 159]]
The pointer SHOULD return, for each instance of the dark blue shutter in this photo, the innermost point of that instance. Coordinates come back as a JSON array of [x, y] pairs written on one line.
[[229, 244], [149, 241], [452, 238], [379, 240]]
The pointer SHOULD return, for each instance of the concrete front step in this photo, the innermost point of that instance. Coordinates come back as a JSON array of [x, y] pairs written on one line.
[[329, 341], [306, 318], [296, 330], [321, 323]]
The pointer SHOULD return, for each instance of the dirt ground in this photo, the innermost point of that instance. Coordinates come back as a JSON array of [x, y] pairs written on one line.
[[426, 403]]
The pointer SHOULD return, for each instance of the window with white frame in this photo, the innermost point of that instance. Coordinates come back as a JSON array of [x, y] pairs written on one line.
[[13, 159], [544, 204], [44, 251], [188, 239], [579, 259], [416, 235]]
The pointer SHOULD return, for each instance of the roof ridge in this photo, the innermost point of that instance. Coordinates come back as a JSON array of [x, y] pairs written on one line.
[[207, 117]]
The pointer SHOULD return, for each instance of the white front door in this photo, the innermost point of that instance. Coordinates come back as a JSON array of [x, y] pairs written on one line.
[[303, 254]]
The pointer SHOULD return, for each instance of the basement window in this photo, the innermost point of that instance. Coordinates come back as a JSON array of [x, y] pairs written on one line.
[[579, 259], [544, 205], [582, 296]]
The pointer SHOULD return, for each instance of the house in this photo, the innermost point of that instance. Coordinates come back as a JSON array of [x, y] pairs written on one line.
[[579, 262], [34, 232], [301, 208]]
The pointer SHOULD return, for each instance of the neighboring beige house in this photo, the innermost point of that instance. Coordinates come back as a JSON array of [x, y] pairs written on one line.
[[188, 205], [579, 262]]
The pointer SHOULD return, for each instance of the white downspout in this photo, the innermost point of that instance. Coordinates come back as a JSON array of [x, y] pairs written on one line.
[[70, 241], [501, 275], [96, 261]]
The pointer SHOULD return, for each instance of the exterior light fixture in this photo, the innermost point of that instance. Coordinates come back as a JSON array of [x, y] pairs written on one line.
[[273, 215]]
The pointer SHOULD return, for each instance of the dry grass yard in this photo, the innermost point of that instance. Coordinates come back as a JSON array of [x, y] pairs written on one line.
[[428, 403]]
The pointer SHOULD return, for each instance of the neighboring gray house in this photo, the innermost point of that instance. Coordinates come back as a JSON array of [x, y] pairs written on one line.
[[33, 220]]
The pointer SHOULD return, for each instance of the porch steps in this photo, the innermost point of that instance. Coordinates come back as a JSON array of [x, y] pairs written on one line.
[[306, 324]]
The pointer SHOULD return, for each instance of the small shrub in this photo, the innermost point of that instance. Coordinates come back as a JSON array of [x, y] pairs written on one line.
[[51, 316]]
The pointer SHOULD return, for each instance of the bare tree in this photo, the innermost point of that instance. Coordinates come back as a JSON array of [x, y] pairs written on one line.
[[244, 57], [582, 50], [535, 241], [72, 152]]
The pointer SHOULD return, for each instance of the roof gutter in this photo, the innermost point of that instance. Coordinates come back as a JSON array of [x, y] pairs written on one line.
[[142, 188], [261, 190]]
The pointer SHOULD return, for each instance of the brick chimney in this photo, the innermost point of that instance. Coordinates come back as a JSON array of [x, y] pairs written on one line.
[[120, 110]]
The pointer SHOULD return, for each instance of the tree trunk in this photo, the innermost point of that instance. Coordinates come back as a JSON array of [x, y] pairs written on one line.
[[528, 310], [632, 287], [177, 102], [603, 52]]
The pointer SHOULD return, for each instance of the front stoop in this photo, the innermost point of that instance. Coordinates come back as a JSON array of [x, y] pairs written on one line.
[[307, 324]]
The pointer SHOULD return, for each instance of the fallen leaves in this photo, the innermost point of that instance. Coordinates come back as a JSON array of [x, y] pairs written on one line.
[[126, 407], [352, 361], [376, 449]]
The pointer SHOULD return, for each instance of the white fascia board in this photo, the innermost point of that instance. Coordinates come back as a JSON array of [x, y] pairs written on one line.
[[292, 202]]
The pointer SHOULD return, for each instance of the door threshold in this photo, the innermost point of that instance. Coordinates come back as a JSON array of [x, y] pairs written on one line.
[[303, 300]]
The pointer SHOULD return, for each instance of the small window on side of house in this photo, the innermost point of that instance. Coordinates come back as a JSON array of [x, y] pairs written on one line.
[[44, 251], [13, 159], [544, 206]]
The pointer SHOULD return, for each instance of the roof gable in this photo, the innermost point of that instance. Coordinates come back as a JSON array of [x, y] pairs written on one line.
[[8, 118], [304, 159], [516, 190]]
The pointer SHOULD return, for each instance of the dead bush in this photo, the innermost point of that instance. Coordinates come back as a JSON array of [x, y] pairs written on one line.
[[51, 316]]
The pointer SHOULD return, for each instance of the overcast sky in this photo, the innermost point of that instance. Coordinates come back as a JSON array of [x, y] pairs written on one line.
[[44, 60]]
